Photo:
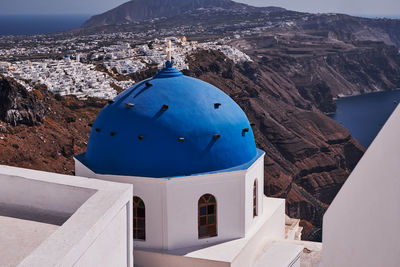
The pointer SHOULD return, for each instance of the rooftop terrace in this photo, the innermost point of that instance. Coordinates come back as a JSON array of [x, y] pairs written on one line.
[[48, 219]]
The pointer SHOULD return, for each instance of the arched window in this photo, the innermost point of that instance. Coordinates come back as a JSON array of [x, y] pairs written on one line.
[[139, 219], [207, 216], [255, 193]]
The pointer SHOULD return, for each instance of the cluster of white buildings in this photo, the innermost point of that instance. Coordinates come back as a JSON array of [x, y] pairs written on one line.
[[74, 77], [139, 57], [4, 67], [47, 45], [125, 66], [112, 52], [64, 77], [153, 53]]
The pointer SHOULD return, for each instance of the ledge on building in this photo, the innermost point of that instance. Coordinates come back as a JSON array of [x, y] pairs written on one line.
[[49, 219], [244, 251]]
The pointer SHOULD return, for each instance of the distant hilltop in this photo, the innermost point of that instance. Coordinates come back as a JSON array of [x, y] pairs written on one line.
[[140, 10]]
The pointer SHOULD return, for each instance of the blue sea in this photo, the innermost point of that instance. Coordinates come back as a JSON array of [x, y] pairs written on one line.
[[365, 115], [39, 24]]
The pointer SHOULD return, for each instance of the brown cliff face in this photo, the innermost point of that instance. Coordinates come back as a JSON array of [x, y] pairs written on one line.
[[50, 143], [360, 29], [322, 66], [17, 105], [308, 155]]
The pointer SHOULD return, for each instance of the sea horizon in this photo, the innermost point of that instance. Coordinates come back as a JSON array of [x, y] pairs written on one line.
[[32, 24]]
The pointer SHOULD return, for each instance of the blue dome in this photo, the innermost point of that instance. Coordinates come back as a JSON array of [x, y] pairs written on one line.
[[169, 125]]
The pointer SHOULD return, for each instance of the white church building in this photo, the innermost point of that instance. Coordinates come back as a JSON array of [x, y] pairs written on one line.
[[198, 179], [172, 177]]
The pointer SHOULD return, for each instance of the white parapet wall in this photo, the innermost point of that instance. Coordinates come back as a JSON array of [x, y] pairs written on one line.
[[360, 226], [74, 221]]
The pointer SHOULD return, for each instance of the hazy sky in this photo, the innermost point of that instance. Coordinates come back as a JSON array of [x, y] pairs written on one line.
[[358, 7]]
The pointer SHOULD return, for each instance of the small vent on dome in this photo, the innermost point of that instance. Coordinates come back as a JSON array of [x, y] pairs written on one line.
[[98, 130], [140, 137], [181, 139], [164, 107], [129, 105], [217, 136], [112, 133], [148, 84], [110, 102], [217, 105], [252, 124], [244, 131]]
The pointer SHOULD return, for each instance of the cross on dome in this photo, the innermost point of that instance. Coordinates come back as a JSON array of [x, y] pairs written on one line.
[[169, 51]]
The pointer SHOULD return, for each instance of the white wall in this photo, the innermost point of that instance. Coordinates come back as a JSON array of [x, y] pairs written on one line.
[[268, 226], [154, 259], [152, 192], [82, 171], [52, 197], [172, 205], [254, 172], [101, 253], [99, 229], [281, 254], [182, 199], [360, 227]]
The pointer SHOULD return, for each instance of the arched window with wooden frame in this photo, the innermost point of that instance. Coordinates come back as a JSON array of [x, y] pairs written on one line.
[[139, 219], [207, 216], [255, 194]]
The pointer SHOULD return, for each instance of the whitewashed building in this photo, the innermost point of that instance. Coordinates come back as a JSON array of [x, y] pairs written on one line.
[[189, 152]]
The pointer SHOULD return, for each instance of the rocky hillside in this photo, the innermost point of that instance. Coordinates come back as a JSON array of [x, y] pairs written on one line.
[[224, 17], [361, 29], [39, 130], [323, 66], [139, 10], [18, 106]]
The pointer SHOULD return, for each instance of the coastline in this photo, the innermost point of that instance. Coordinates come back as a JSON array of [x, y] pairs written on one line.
[[365, 114], [340, 96]]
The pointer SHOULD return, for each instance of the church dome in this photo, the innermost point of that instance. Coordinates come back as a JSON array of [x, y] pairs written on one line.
[[169, 125]]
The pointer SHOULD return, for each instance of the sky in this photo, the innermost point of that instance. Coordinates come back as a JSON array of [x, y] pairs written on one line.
[[353, 7]]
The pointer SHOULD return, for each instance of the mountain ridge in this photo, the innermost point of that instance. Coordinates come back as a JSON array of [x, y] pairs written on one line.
[[222, 18], [141, 10]]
